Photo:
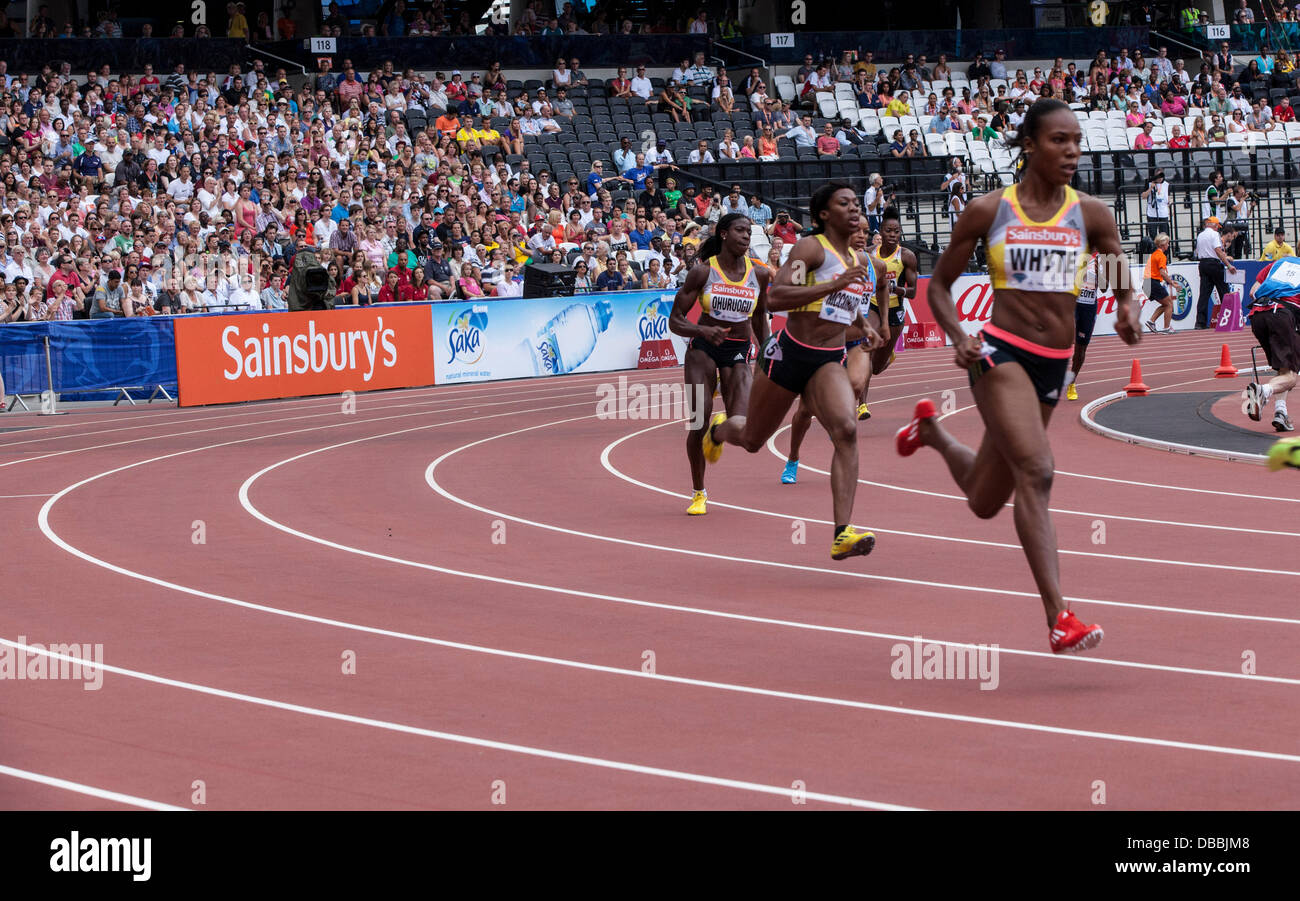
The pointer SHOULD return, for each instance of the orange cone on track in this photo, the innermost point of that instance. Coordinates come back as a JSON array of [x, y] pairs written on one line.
[[1226, 370], [1136, 387]]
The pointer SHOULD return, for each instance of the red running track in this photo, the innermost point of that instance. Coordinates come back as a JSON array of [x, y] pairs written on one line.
[[504, 566]]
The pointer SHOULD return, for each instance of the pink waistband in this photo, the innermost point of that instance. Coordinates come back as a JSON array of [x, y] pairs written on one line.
[[786, 332], [1053, 353]]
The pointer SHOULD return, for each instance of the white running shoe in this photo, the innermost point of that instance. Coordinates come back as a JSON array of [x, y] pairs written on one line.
[[1253, 401]]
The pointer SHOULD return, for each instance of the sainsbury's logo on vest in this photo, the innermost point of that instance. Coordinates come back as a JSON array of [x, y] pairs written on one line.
[[230, 358], [1045, 235]]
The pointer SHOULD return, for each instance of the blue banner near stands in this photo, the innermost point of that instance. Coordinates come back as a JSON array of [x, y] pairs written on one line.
[[93, 355]]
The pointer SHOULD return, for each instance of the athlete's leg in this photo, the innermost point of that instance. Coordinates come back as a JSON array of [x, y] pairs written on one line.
[[880, 359], [859, 366], [983, 476], [831, 397], [1080, 351], [799, 426], [736, 382], [1019, 447], [700, 375], [768, 404]]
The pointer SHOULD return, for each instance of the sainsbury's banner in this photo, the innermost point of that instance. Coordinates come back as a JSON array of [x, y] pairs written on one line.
[[485, 340], [254, 356]]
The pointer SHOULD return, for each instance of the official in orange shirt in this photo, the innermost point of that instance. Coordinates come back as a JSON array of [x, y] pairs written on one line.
[[1156, 278]]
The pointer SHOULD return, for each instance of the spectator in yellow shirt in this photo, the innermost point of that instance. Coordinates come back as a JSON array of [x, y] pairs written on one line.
[[1277, 248], [238, 23], [467, 138], [486, 135], [899, 105]]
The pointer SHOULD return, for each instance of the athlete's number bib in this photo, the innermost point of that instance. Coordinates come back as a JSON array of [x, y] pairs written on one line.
[[1287, 273], [842, 306], [732, 303], [1042, 258], [1088, 295]]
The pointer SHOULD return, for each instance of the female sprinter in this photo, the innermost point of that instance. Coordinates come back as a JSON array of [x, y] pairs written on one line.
[[900, 267], [824, 286], [1092, 290], [1039, 233], [732, 293], [857, 361]]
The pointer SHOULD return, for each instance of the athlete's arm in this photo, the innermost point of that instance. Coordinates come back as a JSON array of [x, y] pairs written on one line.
[[762, 330], [686, 297], [790, 289], [877, 332], [907, 282], [972, 225], [1103, 235]]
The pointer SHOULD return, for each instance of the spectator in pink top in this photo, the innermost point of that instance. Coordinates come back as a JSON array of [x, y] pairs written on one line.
[[1173, 105], [1144, 141]]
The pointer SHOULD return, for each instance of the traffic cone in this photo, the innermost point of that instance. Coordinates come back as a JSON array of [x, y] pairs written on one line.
[[1136, 387], [1226, 370]]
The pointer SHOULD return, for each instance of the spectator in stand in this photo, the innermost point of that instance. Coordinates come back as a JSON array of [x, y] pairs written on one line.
[[1243, 15], [1260, 118], [827, 144], [900, 105], [1144, 141], [1284, 112], [979, 68], [1178, 140], [998, 68], [803, 134], [983, 131]]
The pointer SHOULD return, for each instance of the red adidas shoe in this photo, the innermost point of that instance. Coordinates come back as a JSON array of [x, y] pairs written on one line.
[[908, 438], [1070, 636]]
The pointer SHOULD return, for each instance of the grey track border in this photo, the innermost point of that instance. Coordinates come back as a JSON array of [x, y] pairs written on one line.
[[1085, 417]]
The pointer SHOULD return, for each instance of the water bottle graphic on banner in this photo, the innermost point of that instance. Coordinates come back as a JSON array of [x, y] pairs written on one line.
[[565, 343]]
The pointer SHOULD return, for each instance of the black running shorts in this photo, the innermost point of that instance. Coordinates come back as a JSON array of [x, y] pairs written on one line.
[[791, 364]]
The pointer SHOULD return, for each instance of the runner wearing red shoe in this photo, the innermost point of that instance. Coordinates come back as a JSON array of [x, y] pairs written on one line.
[[1039, 234]]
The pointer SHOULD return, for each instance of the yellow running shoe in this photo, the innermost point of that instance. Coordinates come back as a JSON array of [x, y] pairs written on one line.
[[1286, 453], [699, 504], [852, 543], [1071, 393], [893, 355], [712, 449], [863, 412]]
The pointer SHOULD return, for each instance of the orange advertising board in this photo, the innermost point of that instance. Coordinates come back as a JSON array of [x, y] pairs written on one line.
[[256, 356]]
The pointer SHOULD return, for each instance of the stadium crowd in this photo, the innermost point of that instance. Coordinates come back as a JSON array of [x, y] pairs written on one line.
[[130, 193]]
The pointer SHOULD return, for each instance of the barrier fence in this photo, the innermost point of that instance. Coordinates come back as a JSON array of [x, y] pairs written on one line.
[[235, 357], [132, 358]]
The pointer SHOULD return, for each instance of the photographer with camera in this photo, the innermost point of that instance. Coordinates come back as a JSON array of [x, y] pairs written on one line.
[[1240, 205], [873, 201], [1157, 197]]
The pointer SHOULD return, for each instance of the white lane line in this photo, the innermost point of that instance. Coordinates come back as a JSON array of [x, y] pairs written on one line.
[[415, 397], [81, 789], [425, 408], [246, 503], [771, 446], [7, 496], [253, 409], [509, 747], [1253, 497]]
